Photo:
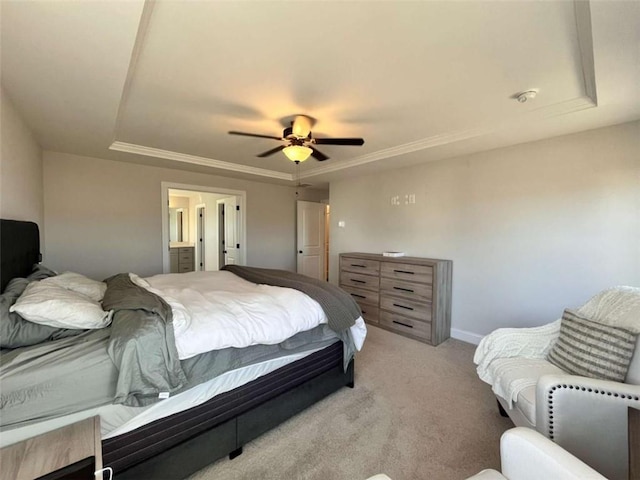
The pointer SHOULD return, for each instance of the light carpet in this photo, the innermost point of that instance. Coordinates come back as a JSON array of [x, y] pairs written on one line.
[[416, 412]]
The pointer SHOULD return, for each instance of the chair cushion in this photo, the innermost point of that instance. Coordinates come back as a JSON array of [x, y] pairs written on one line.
[[514, 375], [592, 349]]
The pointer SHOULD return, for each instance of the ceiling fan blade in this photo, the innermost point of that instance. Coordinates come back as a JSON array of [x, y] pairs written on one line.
[[318, 155], [232, 132], [271, 152], [339, 141]]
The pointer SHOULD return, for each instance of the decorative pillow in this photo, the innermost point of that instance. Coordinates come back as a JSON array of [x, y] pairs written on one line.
[[80, 284], [50, 304], [17, 332], [592, 349]]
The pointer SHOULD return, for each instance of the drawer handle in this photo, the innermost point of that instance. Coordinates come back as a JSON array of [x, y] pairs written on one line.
[[356, 295], [358, 281], [357, 265], [403, 289], [404, 271], [403, 324], [402, 306]]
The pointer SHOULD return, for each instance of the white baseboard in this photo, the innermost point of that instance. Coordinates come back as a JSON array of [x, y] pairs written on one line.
[[465, 336]]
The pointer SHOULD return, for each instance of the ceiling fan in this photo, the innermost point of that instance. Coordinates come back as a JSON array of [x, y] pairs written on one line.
[[300, 143]]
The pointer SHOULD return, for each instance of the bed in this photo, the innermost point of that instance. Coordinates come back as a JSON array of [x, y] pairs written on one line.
[[194, 433]]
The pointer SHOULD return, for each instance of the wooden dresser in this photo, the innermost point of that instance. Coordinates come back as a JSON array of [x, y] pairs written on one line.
[[407, 295]]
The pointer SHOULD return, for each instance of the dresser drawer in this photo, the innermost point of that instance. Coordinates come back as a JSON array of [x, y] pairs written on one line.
[[357, 265], [370, 313], [359, 281], [406, 307], [420, 292], [404, 271], [186, 257], [184, 250], [362, 296], [400, 323], [185, 268]]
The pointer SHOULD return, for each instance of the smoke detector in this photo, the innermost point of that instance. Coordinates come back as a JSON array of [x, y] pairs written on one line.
[[525, 96]]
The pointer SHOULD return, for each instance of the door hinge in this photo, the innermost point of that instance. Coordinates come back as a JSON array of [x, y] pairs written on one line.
[[238, 207], [237, 245]]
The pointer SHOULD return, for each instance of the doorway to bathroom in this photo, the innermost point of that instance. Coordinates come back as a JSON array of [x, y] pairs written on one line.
[[195, 236]]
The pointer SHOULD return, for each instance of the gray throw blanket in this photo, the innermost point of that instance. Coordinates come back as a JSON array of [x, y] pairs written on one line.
[[341, 309], [142, 344]]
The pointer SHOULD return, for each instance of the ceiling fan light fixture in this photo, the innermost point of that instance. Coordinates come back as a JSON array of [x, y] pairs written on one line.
[[297, 153], [301, 126]]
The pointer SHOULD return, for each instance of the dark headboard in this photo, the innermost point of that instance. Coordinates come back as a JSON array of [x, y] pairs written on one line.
[[19, 249]]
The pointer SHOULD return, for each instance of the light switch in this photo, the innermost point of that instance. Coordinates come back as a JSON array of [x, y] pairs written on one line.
[[341, 223]]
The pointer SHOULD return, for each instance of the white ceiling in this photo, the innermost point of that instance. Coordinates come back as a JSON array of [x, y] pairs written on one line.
[[162, 82]]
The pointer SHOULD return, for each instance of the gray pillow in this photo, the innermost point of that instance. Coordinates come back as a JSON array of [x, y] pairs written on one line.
[[591, 349], [40, 272], [15, 331]]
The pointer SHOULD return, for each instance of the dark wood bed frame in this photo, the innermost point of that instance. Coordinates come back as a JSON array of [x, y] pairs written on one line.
[[181, 444]]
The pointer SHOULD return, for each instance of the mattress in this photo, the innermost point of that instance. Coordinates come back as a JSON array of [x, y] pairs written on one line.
[[75, 376], [119, 419]]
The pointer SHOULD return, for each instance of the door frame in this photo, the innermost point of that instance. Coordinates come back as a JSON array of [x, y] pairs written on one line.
[[241, 196], [200, 249], [227, 211]]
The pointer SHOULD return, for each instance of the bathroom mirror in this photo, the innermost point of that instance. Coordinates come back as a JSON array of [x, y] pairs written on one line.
[[178, 225]]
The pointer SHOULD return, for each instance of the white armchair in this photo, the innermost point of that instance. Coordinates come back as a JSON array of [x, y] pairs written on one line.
[[527, 455], [585, 416]]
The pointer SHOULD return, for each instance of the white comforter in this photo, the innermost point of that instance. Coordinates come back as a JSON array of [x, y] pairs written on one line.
[[216, 310]]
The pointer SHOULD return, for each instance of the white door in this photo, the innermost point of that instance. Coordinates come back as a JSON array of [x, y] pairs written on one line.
[[231, 240], [310, 239]]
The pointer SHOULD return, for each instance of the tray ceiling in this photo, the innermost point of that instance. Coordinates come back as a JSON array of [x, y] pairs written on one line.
[[162, 82]]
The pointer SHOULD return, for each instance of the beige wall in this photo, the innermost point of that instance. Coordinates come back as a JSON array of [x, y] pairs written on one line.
[[21, 195], [103, 217], [531, 229]]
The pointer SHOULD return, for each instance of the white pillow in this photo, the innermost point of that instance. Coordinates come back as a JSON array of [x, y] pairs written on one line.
[[80, 284], [50, 304]]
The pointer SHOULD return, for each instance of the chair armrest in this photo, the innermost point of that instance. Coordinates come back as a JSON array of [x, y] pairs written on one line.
[[588, 418], [527, 455]]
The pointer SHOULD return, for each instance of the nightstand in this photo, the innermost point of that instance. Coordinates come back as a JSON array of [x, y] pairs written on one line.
[[71, 452]]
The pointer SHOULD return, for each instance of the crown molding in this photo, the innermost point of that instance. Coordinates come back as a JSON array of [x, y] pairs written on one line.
[[423, 144], [549, 111], [197, 160]]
